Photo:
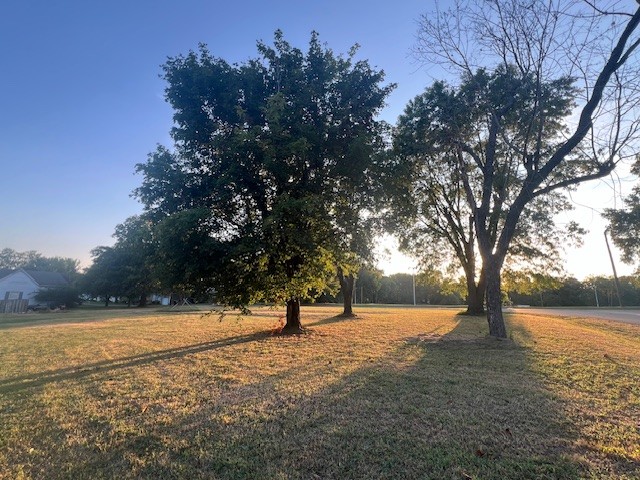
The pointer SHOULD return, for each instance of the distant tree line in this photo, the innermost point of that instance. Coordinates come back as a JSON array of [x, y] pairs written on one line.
[[372, 287], [11, 259], [570, 292], [127, 273]]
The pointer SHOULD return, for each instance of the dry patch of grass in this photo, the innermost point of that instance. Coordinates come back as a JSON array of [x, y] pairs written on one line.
[[393, 393]]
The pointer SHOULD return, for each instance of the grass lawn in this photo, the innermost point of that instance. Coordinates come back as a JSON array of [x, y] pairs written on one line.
[[394, 393]]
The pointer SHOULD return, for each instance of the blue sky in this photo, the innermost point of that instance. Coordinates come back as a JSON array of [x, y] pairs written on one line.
[[81, 101]]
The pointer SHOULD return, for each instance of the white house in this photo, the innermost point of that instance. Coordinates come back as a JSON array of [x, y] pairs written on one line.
[[22, 285]]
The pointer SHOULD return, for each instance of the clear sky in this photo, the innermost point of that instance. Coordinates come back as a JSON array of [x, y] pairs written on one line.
[[81, 101]]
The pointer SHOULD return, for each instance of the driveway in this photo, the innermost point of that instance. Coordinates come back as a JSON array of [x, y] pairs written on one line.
[[616, 314]]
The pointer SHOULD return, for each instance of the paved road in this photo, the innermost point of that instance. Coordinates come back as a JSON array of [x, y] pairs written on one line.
[[627, 316]]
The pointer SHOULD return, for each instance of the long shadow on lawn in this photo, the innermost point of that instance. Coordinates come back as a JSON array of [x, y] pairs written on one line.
[[450, 406], [604, 439], [334, 319], [42, 378], [101, 314], [441, 406]]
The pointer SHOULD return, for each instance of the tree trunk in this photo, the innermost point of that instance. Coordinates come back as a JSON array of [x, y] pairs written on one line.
[[475, 294], [293, 324], [106, 300], [346, 287], [497, 326], [475, 300], [143, 300]]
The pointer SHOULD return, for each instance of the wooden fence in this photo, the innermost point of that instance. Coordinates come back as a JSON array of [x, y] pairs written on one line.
[[13, 306]]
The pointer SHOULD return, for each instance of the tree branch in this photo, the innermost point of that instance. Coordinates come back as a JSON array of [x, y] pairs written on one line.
[[603, 171], [586, 121]]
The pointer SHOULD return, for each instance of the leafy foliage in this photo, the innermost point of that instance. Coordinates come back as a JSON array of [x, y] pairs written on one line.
[[441, 145], [624, 225], [68, 297], [127, 268], [270, 171]]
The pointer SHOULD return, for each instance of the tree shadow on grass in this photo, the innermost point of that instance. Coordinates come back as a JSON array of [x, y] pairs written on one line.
[[601, 414], [24, 382], [335, 319], [99, 314], [438, 406], [443, 406]]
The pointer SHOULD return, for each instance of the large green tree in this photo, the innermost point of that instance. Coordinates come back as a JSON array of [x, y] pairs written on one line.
[[430, 210], [272, 158], [512, 125], [135, 240]]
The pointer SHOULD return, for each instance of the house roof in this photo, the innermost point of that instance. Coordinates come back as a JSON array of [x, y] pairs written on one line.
[[5, 271], [47, 279]]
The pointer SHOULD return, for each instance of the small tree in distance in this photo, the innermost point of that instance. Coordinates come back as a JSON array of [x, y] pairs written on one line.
[[67, 297], [126, 268]]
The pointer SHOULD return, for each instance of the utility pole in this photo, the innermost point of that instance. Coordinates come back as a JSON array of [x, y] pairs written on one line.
[[613, 266], [355, 291], [413, 276]]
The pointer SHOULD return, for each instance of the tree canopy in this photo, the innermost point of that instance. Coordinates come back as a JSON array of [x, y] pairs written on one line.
[[547, 100], [271, 163], [430, 191]]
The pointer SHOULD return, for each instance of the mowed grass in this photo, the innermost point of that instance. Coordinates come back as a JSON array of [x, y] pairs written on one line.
[[394, 393]]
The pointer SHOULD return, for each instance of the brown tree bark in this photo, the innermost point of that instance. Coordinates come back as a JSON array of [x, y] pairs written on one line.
[[293, 324], [495, 318], [346, 287], [475, 297], [475, 291]]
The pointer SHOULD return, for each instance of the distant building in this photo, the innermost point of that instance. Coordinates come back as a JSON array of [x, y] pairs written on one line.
[[18, 288], [161, 299]]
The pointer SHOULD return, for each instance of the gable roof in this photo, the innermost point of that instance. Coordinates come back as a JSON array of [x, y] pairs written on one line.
[[47, 279]]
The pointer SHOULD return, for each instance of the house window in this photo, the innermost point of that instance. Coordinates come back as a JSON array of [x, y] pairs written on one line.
[[13, 296]]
